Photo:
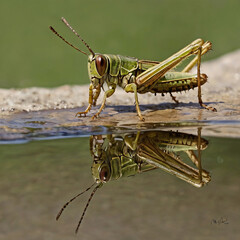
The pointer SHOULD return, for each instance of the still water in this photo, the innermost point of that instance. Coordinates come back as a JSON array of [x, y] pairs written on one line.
[[174, 193]]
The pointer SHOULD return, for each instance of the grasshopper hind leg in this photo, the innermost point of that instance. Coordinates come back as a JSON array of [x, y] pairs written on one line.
[[199, 84], [197, 60]]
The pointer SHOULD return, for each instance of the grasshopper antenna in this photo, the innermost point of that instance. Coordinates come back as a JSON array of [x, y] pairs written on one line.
[[68, 25], [67, 203], [54, 31], [85, 209]]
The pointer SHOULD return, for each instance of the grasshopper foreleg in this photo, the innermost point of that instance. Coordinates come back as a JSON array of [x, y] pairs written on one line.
[[96, 95], [90, 100], [93, 96]]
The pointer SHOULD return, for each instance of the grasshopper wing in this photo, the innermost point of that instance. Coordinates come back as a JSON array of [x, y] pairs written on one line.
[[157, 71]]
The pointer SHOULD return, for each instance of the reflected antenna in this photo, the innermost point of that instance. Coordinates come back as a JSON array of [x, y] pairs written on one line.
[[85, 209], [67, 203]]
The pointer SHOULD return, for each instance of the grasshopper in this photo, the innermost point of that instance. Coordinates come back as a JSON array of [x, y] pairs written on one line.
[[141, 76], [124, 155]]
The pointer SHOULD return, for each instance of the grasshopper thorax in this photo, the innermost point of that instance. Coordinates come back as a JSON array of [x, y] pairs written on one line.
[[97, 68]]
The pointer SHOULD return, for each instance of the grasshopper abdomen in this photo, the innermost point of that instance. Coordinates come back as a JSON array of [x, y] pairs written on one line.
[[175, 82]]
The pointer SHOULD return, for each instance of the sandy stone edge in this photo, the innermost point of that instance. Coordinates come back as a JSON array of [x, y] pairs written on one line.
[[223, 86]]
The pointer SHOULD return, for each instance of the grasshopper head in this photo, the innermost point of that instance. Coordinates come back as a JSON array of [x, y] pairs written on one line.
[[97, 68], [101, 172], [97, 63]]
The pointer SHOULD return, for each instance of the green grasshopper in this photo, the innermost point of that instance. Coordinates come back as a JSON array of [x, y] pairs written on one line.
[[142, 76], [117, 156]]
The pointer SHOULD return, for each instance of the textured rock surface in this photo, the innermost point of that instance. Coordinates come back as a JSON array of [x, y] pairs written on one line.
[[223, 86]]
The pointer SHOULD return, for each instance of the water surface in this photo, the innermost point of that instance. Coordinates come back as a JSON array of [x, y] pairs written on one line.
[[38, 177]]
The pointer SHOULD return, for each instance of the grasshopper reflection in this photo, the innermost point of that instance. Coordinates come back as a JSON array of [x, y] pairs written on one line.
[[116, 156]]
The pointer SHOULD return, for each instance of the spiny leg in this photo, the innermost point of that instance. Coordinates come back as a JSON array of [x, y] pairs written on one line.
[[132, 87], [204, 176], [205, 48], [90, 100], [150, 77], [171, 62], [174, 98], [168, 162], [199, 84], [197, 60], [107, 94]]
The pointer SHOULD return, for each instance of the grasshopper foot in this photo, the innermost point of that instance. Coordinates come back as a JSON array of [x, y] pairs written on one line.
[[208, 107], [95, 116], [141, 118], [81, 114]]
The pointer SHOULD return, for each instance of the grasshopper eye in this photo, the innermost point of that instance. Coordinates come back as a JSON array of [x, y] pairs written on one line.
[[101, 64], [104, 174]]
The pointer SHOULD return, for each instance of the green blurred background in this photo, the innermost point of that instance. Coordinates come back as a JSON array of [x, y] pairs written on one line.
[[30, 55]]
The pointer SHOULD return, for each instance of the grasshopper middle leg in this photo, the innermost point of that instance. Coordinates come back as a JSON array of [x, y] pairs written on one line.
[[132, 87], [174, 98]]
